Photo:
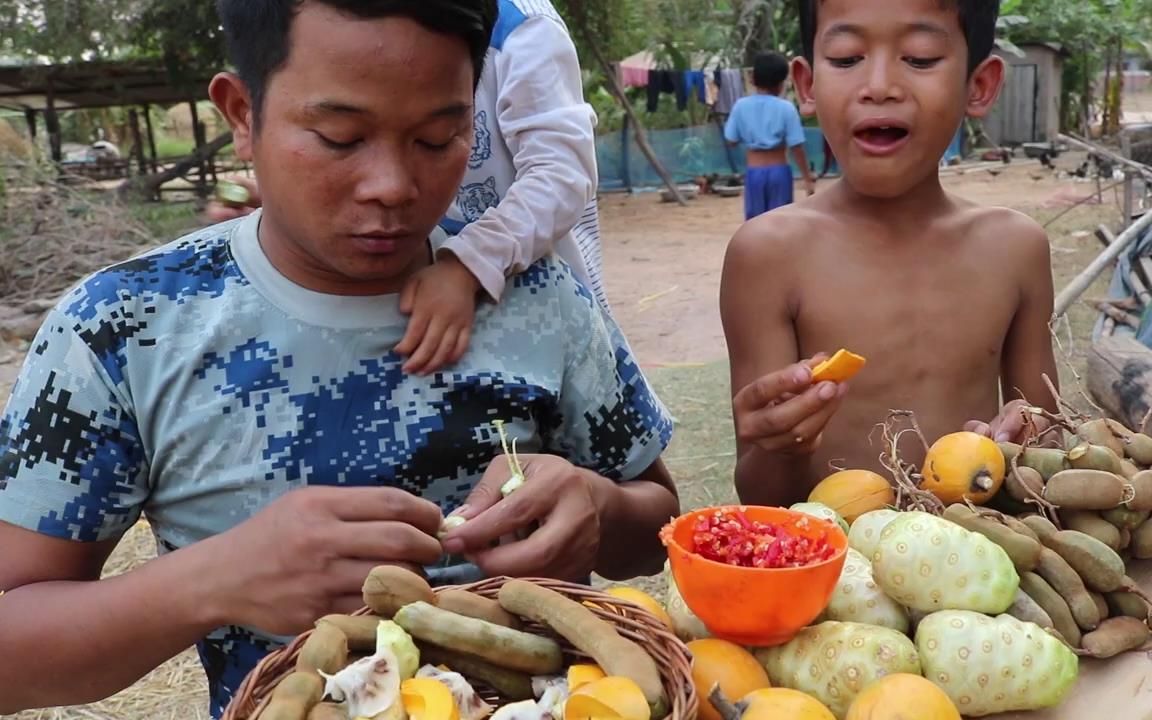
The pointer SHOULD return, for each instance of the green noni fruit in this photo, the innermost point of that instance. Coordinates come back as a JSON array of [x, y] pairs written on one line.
[[928, 563], [990, 665]]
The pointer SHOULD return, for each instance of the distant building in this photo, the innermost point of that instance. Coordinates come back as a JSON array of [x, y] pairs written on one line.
[[1028, 109]]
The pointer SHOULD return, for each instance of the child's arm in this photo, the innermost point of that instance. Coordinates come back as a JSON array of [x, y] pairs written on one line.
[[550, 131], [1027, 354], [797, 140], [732, 125], [779, 415]]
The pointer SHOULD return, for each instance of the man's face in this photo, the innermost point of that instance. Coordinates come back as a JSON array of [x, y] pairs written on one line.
[[890, 86], [364, 137]]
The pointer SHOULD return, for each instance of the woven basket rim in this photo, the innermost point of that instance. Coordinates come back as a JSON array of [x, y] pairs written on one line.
[[671, 654]]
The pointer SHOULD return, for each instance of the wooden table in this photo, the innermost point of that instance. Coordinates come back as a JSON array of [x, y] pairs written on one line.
[[1119, 688]]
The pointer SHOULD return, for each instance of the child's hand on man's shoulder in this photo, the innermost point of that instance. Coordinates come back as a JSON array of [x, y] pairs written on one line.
[[784, 411], [440, 301]]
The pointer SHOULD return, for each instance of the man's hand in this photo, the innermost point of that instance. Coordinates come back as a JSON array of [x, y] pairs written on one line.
[[809, 186], [565, 500], [218, 211], [441, 300], [307, 554], [1009, 425], [783, 412]]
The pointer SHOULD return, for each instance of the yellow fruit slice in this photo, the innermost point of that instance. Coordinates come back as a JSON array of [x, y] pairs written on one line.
[[609, 698], [428, 699], [579, 675], [838, 368]]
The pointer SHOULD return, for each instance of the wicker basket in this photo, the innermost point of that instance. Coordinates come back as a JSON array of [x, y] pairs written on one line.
[[671, 655]]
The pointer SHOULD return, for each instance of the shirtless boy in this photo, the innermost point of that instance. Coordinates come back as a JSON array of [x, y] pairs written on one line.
[[949, 301]]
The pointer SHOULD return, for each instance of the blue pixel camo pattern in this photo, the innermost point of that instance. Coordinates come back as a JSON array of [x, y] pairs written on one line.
[[171, 387]]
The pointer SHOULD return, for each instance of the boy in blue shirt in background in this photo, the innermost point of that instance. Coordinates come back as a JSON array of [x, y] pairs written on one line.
[[768, 126]]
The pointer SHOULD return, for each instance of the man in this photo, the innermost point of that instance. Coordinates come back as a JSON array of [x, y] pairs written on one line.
[[239, 387], [530, 187]]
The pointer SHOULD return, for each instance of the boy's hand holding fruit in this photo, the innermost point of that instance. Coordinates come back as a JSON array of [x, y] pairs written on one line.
[[786, 411]]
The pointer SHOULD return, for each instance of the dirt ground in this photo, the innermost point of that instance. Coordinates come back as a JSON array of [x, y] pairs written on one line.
[[662, 265]]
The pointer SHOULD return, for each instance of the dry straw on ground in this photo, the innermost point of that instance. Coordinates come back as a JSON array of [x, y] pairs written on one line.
[[53, 234], [176, 689]]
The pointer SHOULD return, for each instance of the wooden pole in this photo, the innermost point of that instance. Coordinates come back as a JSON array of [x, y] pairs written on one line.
[[1080, 283], [615, 89]]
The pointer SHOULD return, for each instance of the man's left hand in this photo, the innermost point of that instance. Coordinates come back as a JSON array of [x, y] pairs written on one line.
[[441, 300], [563, 499]]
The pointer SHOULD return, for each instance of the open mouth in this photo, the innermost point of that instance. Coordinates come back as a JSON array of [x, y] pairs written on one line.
[[882, 135]]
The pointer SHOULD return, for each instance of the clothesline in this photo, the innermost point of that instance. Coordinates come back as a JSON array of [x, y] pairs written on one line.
[[712, 84]]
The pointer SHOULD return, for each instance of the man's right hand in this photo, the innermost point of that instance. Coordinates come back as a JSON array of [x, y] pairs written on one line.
[[783, 412], [308, 553]]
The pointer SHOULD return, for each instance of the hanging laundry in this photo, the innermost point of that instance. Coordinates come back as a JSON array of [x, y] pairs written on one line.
[[731, 83], [680, 81], [694, 79], [632, 76], [660, 82]]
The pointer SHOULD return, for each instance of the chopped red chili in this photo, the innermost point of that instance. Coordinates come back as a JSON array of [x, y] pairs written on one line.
[[728, 536]]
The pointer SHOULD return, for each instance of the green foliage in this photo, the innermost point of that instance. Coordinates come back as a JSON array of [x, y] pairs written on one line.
[[1091, 31]]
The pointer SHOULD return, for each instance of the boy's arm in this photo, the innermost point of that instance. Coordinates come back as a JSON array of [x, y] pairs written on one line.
[[778, 414], [797, 139], [732, 126], [550, 131], [1028, 354]]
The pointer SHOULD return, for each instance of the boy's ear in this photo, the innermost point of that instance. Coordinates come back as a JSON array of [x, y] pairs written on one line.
[[984, 86], [231, 97], [802, 79]]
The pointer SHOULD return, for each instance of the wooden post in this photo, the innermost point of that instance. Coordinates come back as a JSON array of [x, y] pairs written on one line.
[[151, 137], [198, 134], [52, 125], [137, 140]]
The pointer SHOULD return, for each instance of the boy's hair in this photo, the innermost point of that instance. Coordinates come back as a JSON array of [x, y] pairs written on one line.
[[257, 31], [977, 20], [769, 70]]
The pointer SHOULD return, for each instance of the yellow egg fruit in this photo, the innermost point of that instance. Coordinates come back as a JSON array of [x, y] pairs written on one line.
[[780, 704], [643, 599], [902, 696], [852, 493], [963, 466], [718, 661]]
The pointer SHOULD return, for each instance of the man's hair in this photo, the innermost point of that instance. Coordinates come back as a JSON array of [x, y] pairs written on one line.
[[977, 21], [769, 70], [257, 31]]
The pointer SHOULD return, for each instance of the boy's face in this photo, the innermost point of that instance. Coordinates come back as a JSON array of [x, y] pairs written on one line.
[[890, 86], [364, 137]]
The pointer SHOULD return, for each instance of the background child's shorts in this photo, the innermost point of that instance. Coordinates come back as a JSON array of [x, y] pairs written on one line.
[[766, 188]]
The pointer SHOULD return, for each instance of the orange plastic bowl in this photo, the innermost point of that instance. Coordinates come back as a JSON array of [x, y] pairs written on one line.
[[758, 607]]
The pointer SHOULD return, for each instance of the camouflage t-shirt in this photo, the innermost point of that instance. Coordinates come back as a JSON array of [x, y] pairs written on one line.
[[195, 384]]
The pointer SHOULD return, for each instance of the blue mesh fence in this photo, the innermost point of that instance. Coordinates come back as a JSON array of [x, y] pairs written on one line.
[[690, 152]]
